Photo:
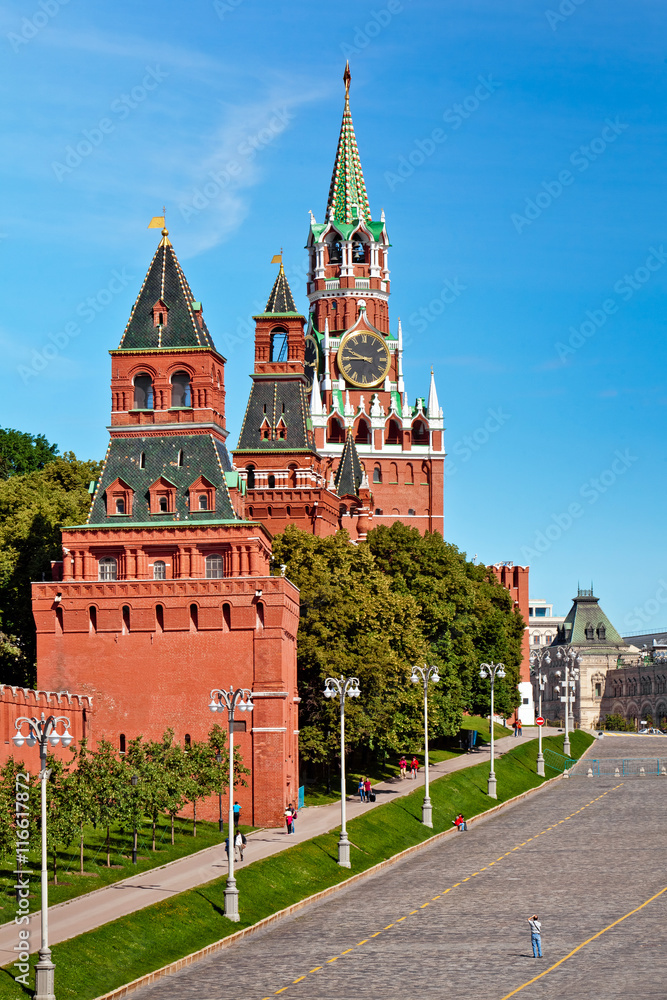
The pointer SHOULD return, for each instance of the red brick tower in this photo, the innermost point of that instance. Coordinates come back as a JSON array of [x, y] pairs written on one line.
[[165, 591], [359, 360]]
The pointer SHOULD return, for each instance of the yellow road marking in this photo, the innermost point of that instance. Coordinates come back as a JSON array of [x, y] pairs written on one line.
[[401, 918], [583, 945], [434, 898], [411, 912], [316, 969], [423, 905], [388, 926], [365, 941], [281, 990], [347, 951], [299, 979], [334, 959], [376, 933]]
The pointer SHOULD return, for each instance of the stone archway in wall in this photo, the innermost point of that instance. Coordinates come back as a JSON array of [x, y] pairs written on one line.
[[648, 713], [661, 716], [632, 712]]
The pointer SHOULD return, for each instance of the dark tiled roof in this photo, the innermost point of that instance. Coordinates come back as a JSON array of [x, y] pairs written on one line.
[[203, 455], [585, 612], [281, 299], [349, 472], [164, 281], [269, 402]]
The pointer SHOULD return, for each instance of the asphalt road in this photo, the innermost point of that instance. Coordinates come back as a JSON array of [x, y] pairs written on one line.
[[586, 854]]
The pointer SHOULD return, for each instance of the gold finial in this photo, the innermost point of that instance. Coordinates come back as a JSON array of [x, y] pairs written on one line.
[[347, 76]]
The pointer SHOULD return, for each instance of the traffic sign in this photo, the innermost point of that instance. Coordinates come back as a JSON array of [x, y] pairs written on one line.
[[539, 721]]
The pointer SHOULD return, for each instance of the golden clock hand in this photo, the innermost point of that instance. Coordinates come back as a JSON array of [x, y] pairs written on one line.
[[359, 357]]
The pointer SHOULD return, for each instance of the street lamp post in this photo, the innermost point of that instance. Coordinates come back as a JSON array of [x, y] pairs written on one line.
[[134, 781], [230, 700], [342, 687], [43, 731], [492, 670], [538, 659], [426, 674], [221, 825], [570, 661]]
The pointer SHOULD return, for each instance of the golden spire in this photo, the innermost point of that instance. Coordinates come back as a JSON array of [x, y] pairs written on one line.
[[347, 76]]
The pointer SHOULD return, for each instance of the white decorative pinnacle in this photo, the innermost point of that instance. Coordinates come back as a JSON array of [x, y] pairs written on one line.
[[433, 408], [316, 408], [312, 217], [407, 409], [376, 409], [400, 383], [326, 382], [349, 409]]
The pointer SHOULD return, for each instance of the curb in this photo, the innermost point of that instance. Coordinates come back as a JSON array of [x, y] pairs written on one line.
[[232, 939]]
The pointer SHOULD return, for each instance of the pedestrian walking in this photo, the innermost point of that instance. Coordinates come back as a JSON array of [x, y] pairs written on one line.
[[237, 814], [536, 935], [403, 766], [288, 818], [239, 845], [518, 726], [361, 790], [293, 818], [414, 767], [367, 789]]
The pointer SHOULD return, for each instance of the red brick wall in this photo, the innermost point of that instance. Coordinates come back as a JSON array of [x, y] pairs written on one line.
[[147, 680], [16, 702]]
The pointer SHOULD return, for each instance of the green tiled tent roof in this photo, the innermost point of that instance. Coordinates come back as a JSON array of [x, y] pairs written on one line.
[[203, 455], [164, 281], [270, 400], [347, 194], [349, 472], [584, 614]]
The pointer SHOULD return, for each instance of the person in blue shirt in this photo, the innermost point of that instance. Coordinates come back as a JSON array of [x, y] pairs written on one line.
[[237, 814]]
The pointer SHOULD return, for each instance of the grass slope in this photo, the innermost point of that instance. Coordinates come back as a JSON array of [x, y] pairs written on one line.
[[116, 953]]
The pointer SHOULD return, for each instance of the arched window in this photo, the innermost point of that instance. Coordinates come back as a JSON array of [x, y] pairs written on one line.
[[164, 505], [159, 618], [250, 469], [602, 632], [180, 458], [288, 510], [278, 344], [203, 502], [363, 435], [120, 506], [142, 460], [420, 433], [272, 482], [250, 513], [92, 618], [379, 512], [180, 390], [143, 392], [358, 251], [108, 568], [409, 474], [260, 615], [194, 617], [393, 432], [226, 617], [60, 624], [411, 512], [188, 740], [393, 472], [159, 569], [335, 248], [590, 634], [377, 474], [121, 742], [426, 473], [126, 619], [336, 430], [291, 470], [214, 567]]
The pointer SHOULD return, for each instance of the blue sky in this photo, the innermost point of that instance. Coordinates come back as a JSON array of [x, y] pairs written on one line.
[[518, 152]]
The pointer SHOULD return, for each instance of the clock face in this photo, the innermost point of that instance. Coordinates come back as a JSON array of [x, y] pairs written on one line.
[[364, 359], [312, 358]]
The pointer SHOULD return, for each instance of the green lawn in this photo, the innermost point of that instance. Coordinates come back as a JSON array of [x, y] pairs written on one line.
[[71, 883], [91, 964]]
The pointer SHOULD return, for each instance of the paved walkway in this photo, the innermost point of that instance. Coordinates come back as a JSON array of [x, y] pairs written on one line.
[[452, 919], [111, 902]]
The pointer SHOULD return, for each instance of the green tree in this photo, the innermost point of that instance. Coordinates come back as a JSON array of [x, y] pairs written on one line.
[[200, 780], [144, 758], [79, 794], [21, 453], [175, 776], [62, 824], [106, 782], [467, 617], [352, 623], [217, 741], [33, 508]]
